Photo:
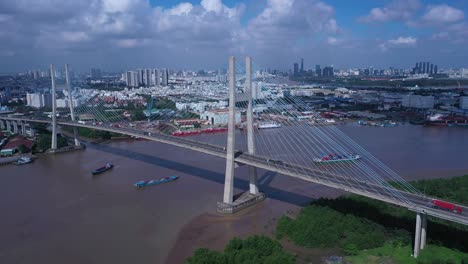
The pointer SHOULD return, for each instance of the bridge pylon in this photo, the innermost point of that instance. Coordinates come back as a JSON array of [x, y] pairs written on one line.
[[250, 128], [53, 146], [70, 103], [229, 205]]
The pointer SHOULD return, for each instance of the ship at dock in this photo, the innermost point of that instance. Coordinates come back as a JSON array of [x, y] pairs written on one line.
[[266, 125], [332, 158]]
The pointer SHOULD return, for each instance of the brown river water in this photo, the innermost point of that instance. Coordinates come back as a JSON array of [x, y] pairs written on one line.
[[55, 211]]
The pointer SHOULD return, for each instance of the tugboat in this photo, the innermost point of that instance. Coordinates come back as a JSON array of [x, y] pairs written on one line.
[[23, 160], [337, 158], [103, 169], [142, 184]]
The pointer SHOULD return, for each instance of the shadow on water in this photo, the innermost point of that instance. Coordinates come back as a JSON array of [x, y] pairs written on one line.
[[271, 192]]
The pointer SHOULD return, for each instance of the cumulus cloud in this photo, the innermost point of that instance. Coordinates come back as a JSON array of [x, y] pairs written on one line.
[[395, 10], [403, 41], [442, 14], [398, 42], [284, 21], [334, 41]]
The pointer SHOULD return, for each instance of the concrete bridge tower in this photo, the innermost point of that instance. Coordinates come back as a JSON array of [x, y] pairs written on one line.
[[229, 205], [250, 128], [70, 102], [53, 146]]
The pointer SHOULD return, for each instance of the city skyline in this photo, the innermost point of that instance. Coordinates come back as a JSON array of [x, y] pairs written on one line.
[[118, 35]]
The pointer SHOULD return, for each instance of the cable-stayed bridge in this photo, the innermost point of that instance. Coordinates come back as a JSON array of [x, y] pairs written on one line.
[[288, 150]]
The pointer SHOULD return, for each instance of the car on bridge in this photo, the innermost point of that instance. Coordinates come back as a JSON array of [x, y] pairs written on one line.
[[277, 162]]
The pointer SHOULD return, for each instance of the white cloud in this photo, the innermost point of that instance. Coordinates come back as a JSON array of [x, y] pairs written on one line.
[[403, 41], [181, 9], [79, 36], [396, 10], [285, 21], [398, 42], [334, 41], [443, 14]]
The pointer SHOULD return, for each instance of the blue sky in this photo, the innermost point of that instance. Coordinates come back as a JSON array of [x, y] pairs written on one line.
[[122, 34]]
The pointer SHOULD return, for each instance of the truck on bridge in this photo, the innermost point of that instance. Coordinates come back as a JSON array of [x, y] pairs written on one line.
[[447, 206]]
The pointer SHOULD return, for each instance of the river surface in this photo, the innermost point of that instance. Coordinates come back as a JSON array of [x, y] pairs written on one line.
[[54, 211]]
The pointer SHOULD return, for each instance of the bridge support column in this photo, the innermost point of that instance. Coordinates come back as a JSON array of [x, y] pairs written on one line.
[[23, 128], [2, 125], [229, 206], [53, 146], [70, 102], [423, 231], [8, 125], [417, 236], [250, 133], [15, 127]]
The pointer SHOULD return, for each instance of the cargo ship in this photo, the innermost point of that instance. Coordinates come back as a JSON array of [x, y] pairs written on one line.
[[269, 125], [102, 169], [214, 130], [142, 184], [185, 133], [337, 158]]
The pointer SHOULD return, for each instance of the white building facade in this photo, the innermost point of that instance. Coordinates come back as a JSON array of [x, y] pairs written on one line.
[[418, 101], [219, 117]]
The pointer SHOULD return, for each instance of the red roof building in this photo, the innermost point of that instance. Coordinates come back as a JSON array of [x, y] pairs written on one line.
[[17, 141]]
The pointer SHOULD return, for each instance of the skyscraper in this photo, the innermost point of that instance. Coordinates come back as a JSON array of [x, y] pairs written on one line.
[[128, 78], [96, 73], [427, 67], [435, 69], [164, 77], [156, 80], [318, 70], [431, 70], [302, 64], [296, 68], [328, 71]]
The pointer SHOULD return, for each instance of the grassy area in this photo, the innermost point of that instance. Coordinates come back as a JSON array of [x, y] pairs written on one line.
[[452, 189], [252, 250], [364, 228], [390, 253]]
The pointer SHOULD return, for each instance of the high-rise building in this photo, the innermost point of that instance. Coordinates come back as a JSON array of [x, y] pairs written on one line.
[[435, 69], [302, 64], [147, 77], [96, 73], [135, 80], [318, 70], [165, 77], [328, 71], [128, 78], [38, 100], [156, 80], [431, 70], [427, 68], [296, 68]]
